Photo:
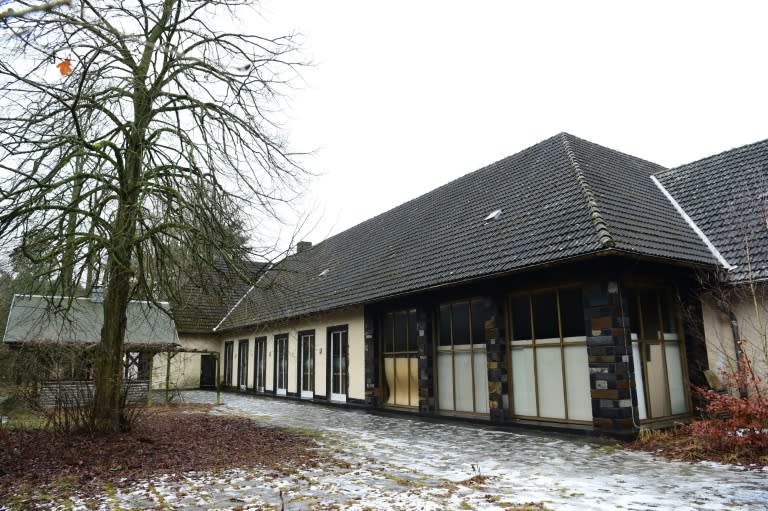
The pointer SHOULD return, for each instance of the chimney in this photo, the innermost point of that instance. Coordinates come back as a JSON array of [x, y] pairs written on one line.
[[303, 246]]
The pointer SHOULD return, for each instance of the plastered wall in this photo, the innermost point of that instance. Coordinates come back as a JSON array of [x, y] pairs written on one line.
[[185, 367], [352, 319], [752, 318]]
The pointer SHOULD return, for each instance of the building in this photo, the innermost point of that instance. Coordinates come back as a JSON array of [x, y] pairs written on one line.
[[546, 288], [62, 333]]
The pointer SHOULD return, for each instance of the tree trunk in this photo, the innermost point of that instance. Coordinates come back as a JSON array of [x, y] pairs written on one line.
[[108, 371], [108, 403]]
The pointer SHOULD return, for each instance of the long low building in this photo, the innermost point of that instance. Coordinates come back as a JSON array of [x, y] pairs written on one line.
[[558, 286]]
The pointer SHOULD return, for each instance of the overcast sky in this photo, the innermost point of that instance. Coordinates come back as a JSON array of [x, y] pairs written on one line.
[[407, 95]]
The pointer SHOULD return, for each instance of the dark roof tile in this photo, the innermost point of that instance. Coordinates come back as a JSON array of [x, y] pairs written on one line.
[[562, 198], [726, 195]]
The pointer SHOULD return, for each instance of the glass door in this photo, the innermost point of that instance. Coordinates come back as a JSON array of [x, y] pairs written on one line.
[[281, 365], [242, 364], [401, 358], [307, 364], [260, 364], [337, 351]]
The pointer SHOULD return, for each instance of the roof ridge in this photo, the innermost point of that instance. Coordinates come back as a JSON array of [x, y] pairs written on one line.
[[604, 236], [728, 152]]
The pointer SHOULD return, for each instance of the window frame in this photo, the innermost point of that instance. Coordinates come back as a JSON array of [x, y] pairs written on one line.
[[560, 343]]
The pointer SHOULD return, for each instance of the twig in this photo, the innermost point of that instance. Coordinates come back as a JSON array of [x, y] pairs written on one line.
[[20, 13]]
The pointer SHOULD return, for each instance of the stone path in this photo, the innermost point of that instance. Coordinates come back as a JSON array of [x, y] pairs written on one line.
[[403, 463]]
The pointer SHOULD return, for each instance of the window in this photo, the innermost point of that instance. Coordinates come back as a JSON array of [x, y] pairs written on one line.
[[462, 366], [401, 358], [136, 365], [260, 364], [229, 353], [658, 352], [281, 364], [548, 351], [306, 361], [242, 364]]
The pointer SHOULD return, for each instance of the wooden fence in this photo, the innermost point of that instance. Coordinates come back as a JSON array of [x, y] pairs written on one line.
[[80, 393]]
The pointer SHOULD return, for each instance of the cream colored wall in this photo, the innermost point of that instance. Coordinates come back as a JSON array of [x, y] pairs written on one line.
[[753, 326], [185, 367], [354, 321]]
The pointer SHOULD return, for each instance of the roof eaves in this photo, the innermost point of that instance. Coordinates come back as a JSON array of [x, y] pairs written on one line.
[[712, 248], [604, 236]]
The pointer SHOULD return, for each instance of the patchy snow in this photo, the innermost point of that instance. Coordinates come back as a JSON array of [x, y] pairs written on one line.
[[404, 463]]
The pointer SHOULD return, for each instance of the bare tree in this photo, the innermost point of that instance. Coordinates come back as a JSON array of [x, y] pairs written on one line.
[[155, 135]]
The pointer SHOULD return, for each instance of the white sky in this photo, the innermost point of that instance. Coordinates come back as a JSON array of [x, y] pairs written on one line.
[[407, 95]]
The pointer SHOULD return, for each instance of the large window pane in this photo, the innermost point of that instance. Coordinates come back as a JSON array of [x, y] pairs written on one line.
[[445, 325], [545, 316], [675, 378], [572, 313], [412, 331], [523, 385], [388, 328], [480, 313], [521, 318], [401, 331], [480, 366], [669, 314], [577, 383], [649, 308], [460, 323], [445, 380], [462, 375], [549, 376]]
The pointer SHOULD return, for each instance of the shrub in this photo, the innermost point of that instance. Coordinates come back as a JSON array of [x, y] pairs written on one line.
[[733, 423]]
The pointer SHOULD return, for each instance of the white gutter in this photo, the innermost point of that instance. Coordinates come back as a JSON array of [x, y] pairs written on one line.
[[243, 297], [692, 224]]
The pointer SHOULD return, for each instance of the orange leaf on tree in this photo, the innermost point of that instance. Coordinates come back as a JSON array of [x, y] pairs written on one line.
[[65, 67]]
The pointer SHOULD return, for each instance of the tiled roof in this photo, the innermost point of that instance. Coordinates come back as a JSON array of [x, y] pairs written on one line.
[[726, 195], [210, 293], [562, 198], [50, 319]]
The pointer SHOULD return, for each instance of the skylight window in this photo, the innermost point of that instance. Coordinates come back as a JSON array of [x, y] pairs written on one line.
[[492, 216]]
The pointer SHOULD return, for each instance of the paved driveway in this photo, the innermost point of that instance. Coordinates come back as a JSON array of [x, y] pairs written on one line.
[[403, 463]]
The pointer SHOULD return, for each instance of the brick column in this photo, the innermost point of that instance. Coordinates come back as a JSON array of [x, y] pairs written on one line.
[[610, 359], [372, 390], [498, 391], [424, 342]]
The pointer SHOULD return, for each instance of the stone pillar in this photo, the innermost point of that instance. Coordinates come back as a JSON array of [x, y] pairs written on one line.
[[372, 390], [424, 342], [609, 348], [495, 348]]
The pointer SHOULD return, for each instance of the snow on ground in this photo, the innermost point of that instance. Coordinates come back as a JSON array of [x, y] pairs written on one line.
[[404, 463]]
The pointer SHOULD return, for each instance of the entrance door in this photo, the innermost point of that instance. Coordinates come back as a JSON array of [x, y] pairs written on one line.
[[281, 365], [401, 358], [259, 364], [242, 364], [658, 353], [207, 372], [337, 357], [307, 364]]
